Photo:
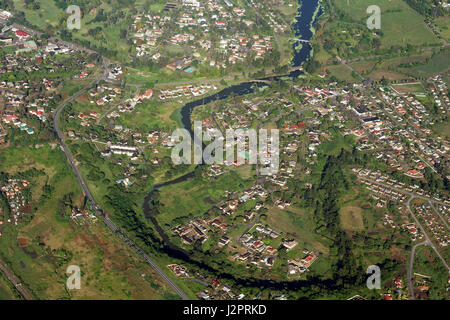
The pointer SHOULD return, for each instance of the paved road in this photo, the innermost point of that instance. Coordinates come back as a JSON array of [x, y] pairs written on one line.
[[410, 268], [52, 39], [88, 195], [427, 238], [439, 214], [418, 224], [402, 191], [426, 242], [349, 67], [17, 284]]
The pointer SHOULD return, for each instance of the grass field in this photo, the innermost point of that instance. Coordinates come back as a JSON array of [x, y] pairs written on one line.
[[409, 88], [39, 251], [396, 62], [397, 68], [48, 14], [7, 291], [342, 73], [343, 28], [191, 198], [438, 63], [298, 224], [443, 129], [427, 263], [364, 66], [336, 142], [394, 68], [400, 24], [351, 218], [443, 24]]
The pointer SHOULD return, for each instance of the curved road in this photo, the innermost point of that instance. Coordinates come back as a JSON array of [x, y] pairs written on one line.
[[427, 238], [410, 268], [94, 205], [426, 242]]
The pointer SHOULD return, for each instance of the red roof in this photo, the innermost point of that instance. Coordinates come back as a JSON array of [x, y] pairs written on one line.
[[21, 33]]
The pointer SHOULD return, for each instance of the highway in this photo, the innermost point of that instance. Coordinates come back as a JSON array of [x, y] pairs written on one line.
[[88, 195], [16, 283]]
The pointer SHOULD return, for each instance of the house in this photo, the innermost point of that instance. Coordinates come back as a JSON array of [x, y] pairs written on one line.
[[204, 295], [398, 283], [224, 241], [289, 244], [22, 35], [27, 47], [5, 15], [147, 94], [6, 40]]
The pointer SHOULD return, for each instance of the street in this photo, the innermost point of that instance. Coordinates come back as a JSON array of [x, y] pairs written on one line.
[[16, 283], [410, 268], [86, 191]]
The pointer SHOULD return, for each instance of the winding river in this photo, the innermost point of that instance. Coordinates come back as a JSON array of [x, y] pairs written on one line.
[[308, 14]]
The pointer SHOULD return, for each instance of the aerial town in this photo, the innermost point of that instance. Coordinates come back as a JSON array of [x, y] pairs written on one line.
[[88, 132]]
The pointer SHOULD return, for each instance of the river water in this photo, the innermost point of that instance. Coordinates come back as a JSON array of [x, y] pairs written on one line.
[[306, 18], [308, 14]]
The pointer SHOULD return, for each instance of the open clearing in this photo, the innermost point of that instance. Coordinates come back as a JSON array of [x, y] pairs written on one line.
[[409, 88], [298, 224], [399, 22], [351, 218]]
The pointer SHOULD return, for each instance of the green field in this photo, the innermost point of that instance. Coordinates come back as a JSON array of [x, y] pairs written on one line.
[[351, 218], [400, 24], [48, 15], [438, 63], [342, 73], [7, 290], [443, 24], [409, 88], [190, 198], [443, 129], [40, 250], [299, 224]]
